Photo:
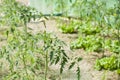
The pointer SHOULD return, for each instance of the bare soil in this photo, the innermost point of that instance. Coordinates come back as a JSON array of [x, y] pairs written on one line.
[[87, 64]]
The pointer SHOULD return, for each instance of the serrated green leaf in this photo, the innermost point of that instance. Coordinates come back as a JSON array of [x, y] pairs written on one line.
[[57, 59], [64, 54], [72, 65], [78, 73], [51, 55], [63, 62], [79, 59]]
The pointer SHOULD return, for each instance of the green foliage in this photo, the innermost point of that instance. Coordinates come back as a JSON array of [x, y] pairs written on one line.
[[20, 50], [89, 43], [75, 61], [21, 45], [115, 46], [97, 18], [78, 73], [108, 63], [89, 28], [24, 49], [99, 29], [56, 52], [20, 55], [15, 14], [70, 27], [54, 48], [95, 43]]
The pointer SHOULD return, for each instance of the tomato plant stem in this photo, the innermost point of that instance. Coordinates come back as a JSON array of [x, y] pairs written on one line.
[[25, 65], [46, 65], [24, 61]]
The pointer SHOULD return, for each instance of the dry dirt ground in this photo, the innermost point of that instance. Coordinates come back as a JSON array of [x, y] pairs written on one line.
[[87, 64]]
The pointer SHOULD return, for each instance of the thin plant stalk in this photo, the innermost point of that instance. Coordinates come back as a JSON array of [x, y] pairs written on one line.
[[46, 55], [24, 62], [46, 65]]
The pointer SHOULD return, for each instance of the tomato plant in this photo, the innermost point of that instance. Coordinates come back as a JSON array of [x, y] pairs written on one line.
[[23, 49]]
